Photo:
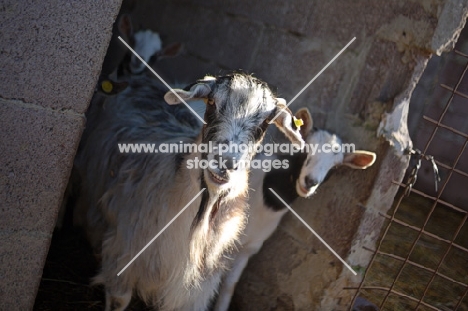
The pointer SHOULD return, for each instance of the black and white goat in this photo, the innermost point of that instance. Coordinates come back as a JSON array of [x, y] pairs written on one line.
[[120, 63], [131, 197], [305, 173]]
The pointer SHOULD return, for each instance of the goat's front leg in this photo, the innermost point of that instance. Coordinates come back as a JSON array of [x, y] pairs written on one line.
[[117, 302], [230, 280]]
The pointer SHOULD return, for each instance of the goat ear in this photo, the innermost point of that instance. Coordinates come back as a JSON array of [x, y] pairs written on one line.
[[125, 26], [172, 50], [285, 123], [307, 121], [197, 91], [359, 159]]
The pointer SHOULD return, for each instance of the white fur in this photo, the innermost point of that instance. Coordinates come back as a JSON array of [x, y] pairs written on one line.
[[319, 164], [262, 222], [147, 43]]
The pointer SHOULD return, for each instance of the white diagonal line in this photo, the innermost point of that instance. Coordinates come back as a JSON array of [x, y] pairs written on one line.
[[160, 232], [315, 233], [154, 72], [314, 78]]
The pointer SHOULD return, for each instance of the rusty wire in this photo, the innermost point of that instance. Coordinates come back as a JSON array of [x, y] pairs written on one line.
[[421, 230]]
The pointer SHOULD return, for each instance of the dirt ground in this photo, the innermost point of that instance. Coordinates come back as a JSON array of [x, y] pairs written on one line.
[[442, 293], [70, 265]]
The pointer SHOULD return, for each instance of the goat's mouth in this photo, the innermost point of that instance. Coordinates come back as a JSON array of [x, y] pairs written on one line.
[[217, 179], [303, 191]]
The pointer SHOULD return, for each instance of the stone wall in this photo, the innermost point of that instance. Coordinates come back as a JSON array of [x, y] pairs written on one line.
[[363, 97], [51, 54]]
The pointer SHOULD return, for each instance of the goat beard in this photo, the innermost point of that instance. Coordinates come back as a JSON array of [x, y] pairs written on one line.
[[202, 225], [210, 203], [204, 232]]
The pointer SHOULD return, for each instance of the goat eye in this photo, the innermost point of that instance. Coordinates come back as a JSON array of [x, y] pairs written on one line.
[[262, 128], [210, 105], [210, 112], [258, 133]]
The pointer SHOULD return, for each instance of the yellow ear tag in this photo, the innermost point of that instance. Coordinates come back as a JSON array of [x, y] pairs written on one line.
[[107, 86], [205, 100], [298, 122]]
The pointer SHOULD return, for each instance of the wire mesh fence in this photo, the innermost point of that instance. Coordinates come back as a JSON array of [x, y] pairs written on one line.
[[421, 261]]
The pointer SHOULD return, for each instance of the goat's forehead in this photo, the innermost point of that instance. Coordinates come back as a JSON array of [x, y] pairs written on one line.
[[243, 84], [245, 95], [318, 139], [321, 137]]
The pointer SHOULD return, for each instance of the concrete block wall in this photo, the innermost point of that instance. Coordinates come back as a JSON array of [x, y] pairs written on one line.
[[51, 54]]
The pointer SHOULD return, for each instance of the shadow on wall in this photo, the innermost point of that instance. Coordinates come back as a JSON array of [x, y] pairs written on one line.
[[430, 99]]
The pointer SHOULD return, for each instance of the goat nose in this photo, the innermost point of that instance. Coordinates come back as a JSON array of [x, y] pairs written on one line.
[[227, 163], [231, 164], [310, 182]]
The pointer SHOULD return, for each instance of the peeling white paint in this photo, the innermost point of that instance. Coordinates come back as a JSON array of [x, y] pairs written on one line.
[[450, 24], [394, 127]]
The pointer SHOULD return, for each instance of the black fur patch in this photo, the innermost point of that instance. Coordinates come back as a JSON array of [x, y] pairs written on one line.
[[259, 132], [283, 182], [203, 203], [179, 159]]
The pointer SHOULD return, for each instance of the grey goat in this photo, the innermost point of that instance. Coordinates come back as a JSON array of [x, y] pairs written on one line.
[[129, 198]]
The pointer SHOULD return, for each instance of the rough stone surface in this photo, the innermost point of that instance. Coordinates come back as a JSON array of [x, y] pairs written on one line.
[[51, 54], [46, 46], [36, 153], [451, 22], [394, 125], [22, 256], [34, 164], [335, 296]]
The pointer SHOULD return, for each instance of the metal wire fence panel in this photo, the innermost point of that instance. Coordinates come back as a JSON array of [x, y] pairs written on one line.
[[421, 261]]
